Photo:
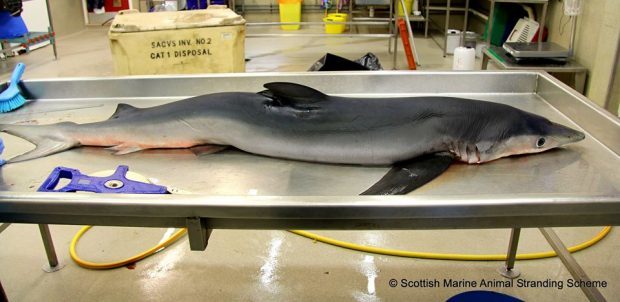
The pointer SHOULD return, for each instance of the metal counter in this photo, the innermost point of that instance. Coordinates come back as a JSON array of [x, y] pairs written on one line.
[[576, 185]]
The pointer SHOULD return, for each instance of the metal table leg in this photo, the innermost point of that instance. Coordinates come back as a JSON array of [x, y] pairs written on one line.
[[3, 297], [393, 29], [508, 270], [397, 31], [490, 22], [391, 26], [426, 8], [485, 61], [466, 19], [198, 233], [543, 20], [445, 32], [569, 262], [580, 81], [51, 29], [46, 236], [53, 42]]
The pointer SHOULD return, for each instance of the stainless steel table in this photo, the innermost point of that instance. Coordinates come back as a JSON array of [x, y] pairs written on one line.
[[499, 56], [575, 186]]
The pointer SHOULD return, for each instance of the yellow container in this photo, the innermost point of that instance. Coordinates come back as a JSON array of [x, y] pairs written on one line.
[[409, 6], [334, 28], [339, 15], [195, 41], [290, 11]]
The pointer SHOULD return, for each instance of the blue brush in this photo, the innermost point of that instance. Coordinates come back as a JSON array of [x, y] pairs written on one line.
[[11, 99], [1, 149]]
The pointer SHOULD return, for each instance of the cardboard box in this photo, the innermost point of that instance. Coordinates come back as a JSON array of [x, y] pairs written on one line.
[[196, 41]]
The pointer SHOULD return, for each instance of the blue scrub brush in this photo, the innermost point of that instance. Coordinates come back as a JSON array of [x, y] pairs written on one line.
[[1, 149], [11, 99]]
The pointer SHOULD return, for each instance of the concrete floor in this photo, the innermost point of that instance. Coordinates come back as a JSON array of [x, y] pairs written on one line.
[[273, 265]]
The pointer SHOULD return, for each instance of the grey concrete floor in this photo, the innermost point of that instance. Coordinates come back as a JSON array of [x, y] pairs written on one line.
[[273, 265]]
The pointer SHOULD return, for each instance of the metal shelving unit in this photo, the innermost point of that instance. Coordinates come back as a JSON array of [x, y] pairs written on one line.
[[542, 19], [467, 9], [448, 9], [30, 39], [390, 21], [27, 41]]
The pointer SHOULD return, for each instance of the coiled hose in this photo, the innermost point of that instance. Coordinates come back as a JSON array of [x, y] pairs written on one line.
[[348, 245]]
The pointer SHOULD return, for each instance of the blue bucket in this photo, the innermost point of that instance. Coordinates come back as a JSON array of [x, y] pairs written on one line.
[[11, 27]]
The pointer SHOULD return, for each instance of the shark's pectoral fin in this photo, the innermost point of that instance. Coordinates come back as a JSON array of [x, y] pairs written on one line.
[[409, 175], [207, 149], [45, 147], [125, 149]]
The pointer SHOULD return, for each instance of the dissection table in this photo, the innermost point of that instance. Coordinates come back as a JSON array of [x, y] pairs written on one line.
[[574, 186]]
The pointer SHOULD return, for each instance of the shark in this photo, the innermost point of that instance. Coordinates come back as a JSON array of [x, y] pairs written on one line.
[[419, 137]]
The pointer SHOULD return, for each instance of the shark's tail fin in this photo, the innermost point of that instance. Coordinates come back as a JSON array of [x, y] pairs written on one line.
[[48, 139]]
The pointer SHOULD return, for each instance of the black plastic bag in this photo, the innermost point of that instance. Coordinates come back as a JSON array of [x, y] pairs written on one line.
[[370, 61], [331, 62], [14, 7]]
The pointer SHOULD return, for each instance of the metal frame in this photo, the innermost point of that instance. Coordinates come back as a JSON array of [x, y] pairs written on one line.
[[202, 213], [592, 293], [313, 212]]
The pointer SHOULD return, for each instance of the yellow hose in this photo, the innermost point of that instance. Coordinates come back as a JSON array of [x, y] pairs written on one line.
[[339, 243], [438, 256], [108, 265]]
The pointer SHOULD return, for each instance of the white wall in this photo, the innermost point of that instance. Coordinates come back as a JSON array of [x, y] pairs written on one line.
[[67, 16], [596, 41], [35, 15]]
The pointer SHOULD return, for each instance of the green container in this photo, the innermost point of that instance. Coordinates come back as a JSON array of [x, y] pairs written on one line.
[[501, 17]]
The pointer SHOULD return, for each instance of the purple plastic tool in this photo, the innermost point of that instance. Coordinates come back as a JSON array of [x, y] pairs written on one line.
[[115, 183]]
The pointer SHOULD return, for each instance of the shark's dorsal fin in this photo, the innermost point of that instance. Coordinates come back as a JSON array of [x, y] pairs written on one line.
[[291, 94], [123, 109]]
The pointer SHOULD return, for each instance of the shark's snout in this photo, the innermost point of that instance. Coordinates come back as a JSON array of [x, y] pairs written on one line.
[[577, 136], [566, 135]]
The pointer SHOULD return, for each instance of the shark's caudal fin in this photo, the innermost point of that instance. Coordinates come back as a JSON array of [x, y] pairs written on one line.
[[409, 175], [48, 139]]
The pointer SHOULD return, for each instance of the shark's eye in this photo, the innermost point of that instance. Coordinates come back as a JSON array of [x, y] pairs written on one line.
[[540, 142]]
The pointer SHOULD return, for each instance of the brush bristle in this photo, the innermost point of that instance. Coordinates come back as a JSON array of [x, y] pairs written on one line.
[[12, 103]]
